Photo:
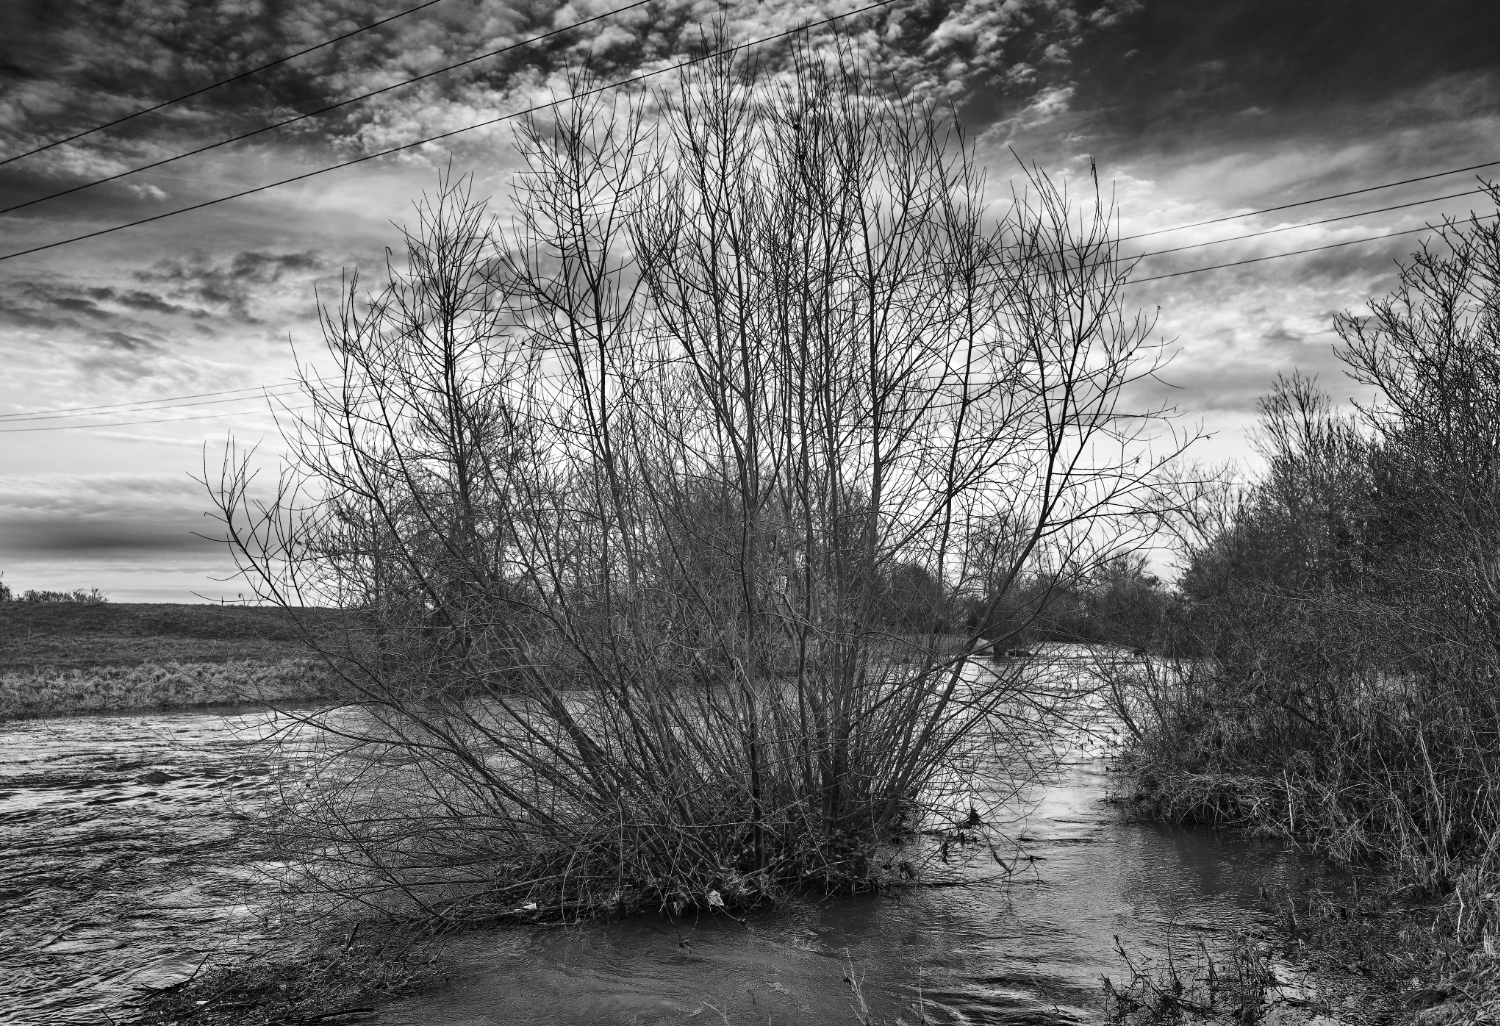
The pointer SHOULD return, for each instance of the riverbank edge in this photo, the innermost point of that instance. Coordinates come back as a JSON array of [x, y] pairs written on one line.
[[1380, 954], [155, 687]]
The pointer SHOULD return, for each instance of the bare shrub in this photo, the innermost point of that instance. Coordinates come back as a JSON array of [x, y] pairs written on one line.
[[628, 496], [1339, 629]]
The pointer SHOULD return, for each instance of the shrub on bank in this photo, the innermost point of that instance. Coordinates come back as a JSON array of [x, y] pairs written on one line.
[[1338, 679]]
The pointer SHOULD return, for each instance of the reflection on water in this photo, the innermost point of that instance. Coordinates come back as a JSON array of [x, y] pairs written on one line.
[[124, 862]]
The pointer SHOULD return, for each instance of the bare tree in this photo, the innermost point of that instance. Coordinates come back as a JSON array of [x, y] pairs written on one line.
[[633, 486]]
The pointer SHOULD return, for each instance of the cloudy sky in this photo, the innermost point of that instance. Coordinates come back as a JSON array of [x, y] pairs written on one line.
[[1191, 110]]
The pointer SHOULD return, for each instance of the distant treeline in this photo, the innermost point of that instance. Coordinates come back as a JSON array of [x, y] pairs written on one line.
[[90, 598], [78, 596]]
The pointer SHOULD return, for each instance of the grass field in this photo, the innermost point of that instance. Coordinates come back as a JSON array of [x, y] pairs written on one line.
[[58, 658], [64, 636]]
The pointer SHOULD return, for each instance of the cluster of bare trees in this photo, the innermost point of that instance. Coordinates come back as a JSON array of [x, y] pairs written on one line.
[[621, 496], [1343, 612]]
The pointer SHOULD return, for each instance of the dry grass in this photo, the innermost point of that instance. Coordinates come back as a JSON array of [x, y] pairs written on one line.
[[1194, 985], [62, 658], [1398, 781], [56, 692]]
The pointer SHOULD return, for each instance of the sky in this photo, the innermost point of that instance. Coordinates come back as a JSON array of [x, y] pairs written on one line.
[[1190, 111]]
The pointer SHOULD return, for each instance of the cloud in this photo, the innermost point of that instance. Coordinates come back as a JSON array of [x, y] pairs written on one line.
[[1191, 111], [146, 190]]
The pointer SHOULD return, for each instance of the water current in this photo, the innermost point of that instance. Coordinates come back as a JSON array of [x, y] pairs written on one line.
[[124, 863]]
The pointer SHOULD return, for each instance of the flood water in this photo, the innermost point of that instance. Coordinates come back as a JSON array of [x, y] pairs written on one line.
[[123, 858], [124, 863], [1029, 948]]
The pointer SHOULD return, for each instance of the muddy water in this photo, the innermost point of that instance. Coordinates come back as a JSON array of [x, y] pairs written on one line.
[[123, 856], [125, 861]]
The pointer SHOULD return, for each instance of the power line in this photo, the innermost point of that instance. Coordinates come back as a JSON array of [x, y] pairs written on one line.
[[287, 389], [446, 135], [322, 110], [258, 391], [174, 402], [1317, 199], [544, 36], [132, 423], [255, 391], [1294, 252], [12, 418], [1305, 224], [276, 391], [221, 82]]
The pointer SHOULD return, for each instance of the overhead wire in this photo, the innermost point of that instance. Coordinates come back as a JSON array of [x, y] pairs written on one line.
[[1294, 252], [277, 391], [457, 131], [143, 407], [109, 406], [292, 388], [134, 423], [221, 82], [150, 407], [142, 221], [1305, 224], [324, 110], [1316, 199]]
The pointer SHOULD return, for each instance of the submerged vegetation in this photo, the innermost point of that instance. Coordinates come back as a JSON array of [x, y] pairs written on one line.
[[654, 507]]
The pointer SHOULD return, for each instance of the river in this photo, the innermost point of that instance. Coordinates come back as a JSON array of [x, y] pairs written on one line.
[[125, 864]]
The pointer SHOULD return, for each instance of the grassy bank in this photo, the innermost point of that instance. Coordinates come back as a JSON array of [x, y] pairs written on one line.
[[1366, 956], [60, 658], [1393, 782], [55, 692]]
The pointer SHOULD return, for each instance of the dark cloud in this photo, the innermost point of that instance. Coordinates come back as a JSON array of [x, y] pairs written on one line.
[[129, 343], [232, 284], [51, 305], [1282, 337], [1169, 76], [111, 515], [65, 299], [17, 315], [149, 302], [84, 536]]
